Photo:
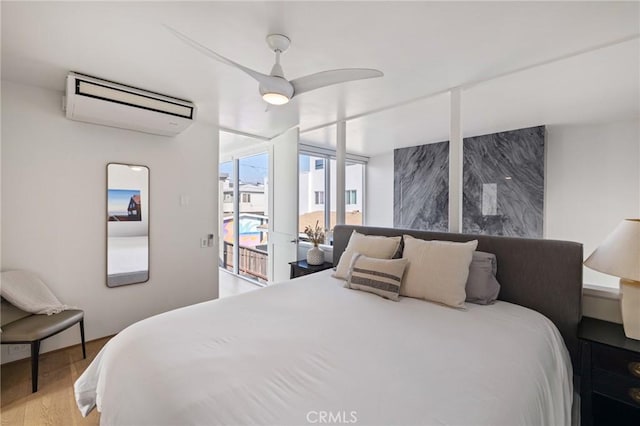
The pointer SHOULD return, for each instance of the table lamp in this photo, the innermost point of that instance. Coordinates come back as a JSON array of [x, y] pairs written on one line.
[[619, 255]]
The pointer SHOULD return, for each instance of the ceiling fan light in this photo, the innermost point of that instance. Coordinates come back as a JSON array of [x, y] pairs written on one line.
[[275, 98]]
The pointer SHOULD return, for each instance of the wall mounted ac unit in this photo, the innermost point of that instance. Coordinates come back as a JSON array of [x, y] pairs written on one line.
[[97, 101]]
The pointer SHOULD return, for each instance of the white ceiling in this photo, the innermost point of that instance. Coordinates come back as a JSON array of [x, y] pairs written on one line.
[[422, 47]]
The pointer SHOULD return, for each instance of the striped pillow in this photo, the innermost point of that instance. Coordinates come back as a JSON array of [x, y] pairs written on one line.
[[378, 276], [370, 245]]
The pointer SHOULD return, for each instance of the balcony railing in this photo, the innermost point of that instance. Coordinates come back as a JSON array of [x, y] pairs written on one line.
[[253, 262]]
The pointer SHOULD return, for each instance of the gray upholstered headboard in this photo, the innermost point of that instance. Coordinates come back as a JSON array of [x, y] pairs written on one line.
[[543, 275]]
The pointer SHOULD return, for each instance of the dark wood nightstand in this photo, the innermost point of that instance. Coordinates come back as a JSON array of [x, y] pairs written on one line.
[[610, 379], [301, 267]]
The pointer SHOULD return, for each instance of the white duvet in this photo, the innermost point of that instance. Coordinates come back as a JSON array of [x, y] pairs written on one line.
[[128, 254], [309, 351]]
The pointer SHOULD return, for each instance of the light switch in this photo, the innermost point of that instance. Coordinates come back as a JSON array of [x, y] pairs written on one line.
[[203, 242]]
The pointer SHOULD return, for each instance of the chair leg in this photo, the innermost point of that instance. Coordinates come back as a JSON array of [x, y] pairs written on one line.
[[35, 354], [84, 350]]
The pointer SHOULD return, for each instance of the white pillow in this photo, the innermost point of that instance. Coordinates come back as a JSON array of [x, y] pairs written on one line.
[[437, 270], [369, 245]]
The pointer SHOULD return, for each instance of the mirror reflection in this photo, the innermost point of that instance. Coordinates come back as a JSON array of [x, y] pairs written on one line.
[[127, 224]]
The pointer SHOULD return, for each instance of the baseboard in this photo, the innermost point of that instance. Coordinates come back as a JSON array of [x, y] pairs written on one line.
[[27, 357]]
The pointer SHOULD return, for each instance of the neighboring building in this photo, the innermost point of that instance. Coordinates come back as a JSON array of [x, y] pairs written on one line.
[[312, 186], [312, 192], [253, 212], [135, 208], [253, 197]]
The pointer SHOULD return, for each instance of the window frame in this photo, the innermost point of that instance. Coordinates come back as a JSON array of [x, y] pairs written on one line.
[[327, 155], [348, 199]]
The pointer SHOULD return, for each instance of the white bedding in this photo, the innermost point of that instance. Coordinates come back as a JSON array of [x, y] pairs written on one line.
[[285, 354], [127, 254]]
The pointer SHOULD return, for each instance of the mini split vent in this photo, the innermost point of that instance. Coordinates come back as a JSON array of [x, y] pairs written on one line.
[[103, 102]]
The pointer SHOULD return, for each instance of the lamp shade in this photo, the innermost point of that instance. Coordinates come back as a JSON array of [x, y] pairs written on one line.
[[275, 98], [276, 90], [619, 253]]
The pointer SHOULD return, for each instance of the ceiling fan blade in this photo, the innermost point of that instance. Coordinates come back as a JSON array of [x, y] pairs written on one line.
[[261, 78], [327, 78]]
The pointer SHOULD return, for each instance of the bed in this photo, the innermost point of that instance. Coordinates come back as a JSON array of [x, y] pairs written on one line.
[[311, 351], [128, 260]]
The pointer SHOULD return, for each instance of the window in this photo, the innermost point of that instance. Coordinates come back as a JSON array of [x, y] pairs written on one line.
[[317, 189], [350, 196], [246, 198]]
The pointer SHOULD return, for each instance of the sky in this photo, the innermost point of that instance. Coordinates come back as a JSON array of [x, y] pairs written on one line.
[[255, 168], [118, 200]]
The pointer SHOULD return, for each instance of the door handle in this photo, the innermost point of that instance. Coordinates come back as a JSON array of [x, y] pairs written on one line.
[[293, 241]]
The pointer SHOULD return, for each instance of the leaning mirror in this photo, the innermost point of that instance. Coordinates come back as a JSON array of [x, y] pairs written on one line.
[[127, 224]]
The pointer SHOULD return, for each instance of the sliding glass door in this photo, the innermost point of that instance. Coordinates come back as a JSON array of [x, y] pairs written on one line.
[[244, 213], [258, 187]]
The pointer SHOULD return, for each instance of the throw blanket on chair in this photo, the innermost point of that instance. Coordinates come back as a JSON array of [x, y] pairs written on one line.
[[26, 291]]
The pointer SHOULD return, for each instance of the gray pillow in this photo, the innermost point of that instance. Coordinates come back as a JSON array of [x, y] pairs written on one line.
[[482, 286]]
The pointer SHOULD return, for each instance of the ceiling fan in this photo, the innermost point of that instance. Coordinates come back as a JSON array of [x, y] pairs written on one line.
[[274, 87]]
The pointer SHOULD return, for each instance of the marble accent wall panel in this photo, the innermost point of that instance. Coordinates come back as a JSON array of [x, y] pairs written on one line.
[[421, 187], [503, 189]]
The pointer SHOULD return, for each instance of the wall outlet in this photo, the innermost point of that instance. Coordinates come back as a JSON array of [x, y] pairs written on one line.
[[203, 242], [18, 349]]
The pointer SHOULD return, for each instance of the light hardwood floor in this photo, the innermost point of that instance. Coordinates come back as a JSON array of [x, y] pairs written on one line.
[[54, 403], [230, 285]]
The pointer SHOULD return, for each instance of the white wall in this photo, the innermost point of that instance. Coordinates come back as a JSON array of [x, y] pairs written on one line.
[[592, 183], [379, 196], [53, 211]]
